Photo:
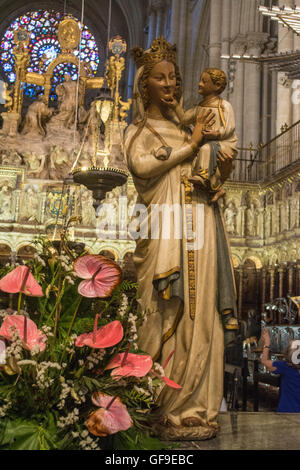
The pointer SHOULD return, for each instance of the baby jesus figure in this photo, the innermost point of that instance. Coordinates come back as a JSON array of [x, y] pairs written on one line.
[[219, 138]]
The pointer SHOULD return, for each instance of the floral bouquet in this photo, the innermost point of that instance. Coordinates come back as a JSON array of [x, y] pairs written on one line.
[[71, 374]]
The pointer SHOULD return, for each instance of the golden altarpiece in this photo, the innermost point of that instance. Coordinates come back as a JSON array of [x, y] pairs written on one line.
[[40, 149]]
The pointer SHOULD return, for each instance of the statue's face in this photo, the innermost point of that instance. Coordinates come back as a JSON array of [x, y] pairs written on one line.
[[206, 86], [162, 82]]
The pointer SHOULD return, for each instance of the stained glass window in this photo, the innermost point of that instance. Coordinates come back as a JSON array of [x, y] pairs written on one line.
[[44, 47]]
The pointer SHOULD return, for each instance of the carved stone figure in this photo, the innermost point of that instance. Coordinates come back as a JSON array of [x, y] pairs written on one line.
[[230, 215], [30, 204], [6, 202], [60, 164], [36, 165], [108, 211], [67, 100], [37, 114], [88, 211], [11, 158], [169, 282], [251, 221]]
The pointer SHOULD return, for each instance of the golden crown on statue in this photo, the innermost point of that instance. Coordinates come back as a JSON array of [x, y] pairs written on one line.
[[160, 49]]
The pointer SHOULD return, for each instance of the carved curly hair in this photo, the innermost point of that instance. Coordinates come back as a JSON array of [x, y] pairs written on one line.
[[218, 77], [144, 85]]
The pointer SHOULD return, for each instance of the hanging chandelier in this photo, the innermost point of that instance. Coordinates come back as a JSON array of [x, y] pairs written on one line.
[[107, 170]]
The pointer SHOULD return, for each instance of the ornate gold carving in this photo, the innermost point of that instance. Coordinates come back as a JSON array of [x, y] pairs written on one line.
[[160, 49], [21, 38], [8, 98], [117, 46], [191, 253], [69, 34], [125, 106]]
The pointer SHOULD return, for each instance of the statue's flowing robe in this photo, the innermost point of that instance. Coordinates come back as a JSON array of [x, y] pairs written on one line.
[[163, 278]]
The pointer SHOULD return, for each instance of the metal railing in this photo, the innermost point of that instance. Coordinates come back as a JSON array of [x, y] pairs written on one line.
[[258, 165]]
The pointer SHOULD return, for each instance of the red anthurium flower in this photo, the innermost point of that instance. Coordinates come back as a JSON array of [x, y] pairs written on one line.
[[28, 331], [105, 337], [21, 280], [111, 417], [169, 382], [101, 274], [127, 364]]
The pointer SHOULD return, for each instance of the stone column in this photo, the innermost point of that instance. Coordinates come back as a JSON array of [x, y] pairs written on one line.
[[265, 117], [274, 106], [281, 277], [298, 280], [175, 21], [152, 27], [237, 100], [272, 283], [215, 33], [263, 287], [291, 279], [225, 34], [252, 90], [240, 298], [296, 107], [159, 21], [182, 39], [243, 221], [284, 102], [131, 69], [261, 219]]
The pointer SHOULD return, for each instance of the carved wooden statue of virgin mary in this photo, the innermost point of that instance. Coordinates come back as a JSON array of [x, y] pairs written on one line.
[[186, 288]]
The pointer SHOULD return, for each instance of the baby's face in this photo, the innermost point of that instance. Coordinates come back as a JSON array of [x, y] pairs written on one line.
[[206, 86]]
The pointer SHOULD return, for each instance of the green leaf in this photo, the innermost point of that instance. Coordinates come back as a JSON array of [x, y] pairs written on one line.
[[26, 435], [133, 439]]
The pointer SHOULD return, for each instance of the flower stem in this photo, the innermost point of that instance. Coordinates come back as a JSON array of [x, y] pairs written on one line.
[[19, 302], [125, 355], [74, 317], [95, 328], [70, 327]]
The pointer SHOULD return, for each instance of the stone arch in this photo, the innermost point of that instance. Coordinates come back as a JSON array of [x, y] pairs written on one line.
[[109, 253], [26, 251], [253, 262], [236, 260], [5, 253], [3, 241]]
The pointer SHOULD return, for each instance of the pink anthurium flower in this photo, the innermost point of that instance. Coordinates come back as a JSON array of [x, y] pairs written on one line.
[[111, 417], [101, 338], [127, 364], [101, 274], [28, 331], [21, 280], [169, 382]]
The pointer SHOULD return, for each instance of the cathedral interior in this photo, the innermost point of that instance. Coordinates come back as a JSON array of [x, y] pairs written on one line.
[[44, 136]]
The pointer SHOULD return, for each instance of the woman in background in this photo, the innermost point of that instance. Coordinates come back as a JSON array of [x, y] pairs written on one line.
[[289, 371]]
